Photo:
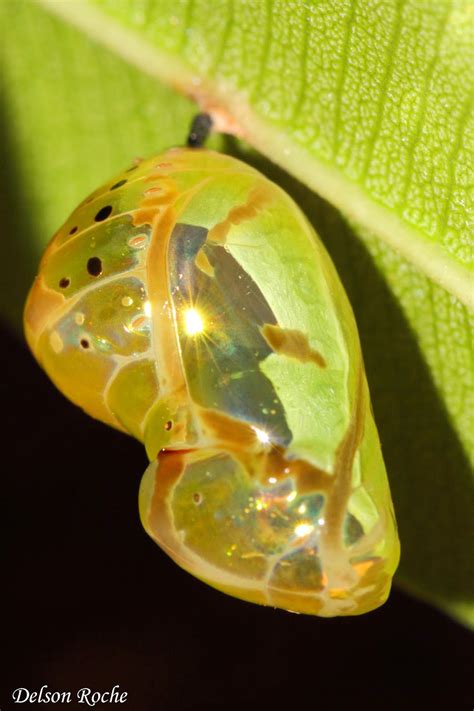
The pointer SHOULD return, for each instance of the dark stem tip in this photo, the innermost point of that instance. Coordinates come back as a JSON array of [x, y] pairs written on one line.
[[200, 130]]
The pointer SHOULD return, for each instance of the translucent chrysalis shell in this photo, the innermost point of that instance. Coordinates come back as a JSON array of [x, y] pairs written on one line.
[[190, 303]]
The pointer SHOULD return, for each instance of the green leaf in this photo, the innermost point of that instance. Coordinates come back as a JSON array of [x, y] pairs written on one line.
[[367, 104]]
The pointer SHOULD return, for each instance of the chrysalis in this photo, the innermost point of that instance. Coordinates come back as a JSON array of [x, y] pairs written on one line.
[[189, 303]]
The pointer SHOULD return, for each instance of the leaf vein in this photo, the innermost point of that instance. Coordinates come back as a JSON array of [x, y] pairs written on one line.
[[265, 51], [342, 75], [391, 52], [225, 38], [451, 162], [303, 65], [188, 16], [413, 143]]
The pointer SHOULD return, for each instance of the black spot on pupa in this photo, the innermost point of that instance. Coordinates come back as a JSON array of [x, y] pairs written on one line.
[[73, 230], [64, 283], [119, 184], [84, 343], [168, 425], [94, 266], [103, 213]]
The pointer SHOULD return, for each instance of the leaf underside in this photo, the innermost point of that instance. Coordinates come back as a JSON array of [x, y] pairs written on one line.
[[369, 105]]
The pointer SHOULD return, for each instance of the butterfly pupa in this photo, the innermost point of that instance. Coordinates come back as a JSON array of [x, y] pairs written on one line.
[[190, 303]]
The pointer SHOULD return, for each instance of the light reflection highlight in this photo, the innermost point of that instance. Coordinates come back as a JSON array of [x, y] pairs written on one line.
[[303, 529], [194, 322], [262, 436], [147, 309]]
